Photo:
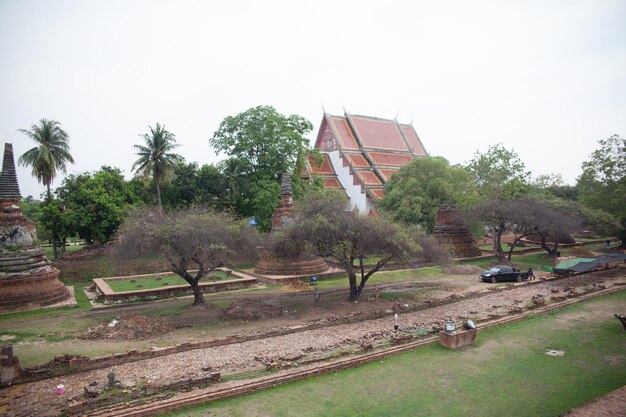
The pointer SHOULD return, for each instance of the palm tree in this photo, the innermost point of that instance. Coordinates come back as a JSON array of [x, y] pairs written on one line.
[[155, 159], [52, 153]]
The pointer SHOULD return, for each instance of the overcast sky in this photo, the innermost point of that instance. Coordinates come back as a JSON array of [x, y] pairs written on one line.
[[545, 78]]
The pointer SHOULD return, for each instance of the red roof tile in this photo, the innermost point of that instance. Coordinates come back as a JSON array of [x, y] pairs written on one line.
[[414, 141], [390, 159], [378, 134], [331, 183], [368, 178], [358, 161], [325, 169], [343, 132], [387, 173], [378, 192]]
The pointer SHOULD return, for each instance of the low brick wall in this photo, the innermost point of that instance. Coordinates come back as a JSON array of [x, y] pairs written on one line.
[[111, 297]]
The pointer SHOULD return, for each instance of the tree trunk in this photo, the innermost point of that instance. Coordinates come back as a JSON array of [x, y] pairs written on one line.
[[354, 289], [158, 190], [55, 251], [513, 245], [497, 243], [544, 246], [198, 297]]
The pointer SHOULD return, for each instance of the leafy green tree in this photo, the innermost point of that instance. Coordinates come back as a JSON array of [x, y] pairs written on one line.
[[95, 203], [602, 184], [55, 223], [156, 159], [265, 198], [49, 157], [270, 142], [191, 185], [499, 173], [237, 174], [552, 185], [33, 209], [414, 194]]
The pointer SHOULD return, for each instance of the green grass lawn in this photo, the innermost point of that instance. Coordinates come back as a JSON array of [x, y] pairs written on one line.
[[134, 284], [506, 374]]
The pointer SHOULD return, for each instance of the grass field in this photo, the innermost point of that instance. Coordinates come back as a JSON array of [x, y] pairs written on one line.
[[134, 284], [506, 374]]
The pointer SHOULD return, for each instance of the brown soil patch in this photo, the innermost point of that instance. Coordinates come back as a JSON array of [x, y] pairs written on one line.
[[250, 309], [298, 286], [580, 252], [462, 270], [131, 326]]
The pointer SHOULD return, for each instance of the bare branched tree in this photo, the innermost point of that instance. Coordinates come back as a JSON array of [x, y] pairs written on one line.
[[524, 217], [323, 224], [190, 238]]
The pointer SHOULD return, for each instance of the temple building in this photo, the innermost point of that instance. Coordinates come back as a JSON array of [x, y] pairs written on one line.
[[361, 153], [27, 280]]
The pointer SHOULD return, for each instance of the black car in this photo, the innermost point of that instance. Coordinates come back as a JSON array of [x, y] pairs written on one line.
[[503, 273]]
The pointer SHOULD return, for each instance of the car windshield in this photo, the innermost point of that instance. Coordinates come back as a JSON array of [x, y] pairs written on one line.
[[494, 270]]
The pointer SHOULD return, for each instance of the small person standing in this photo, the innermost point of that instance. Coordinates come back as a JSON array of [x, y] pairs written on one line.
[[608, 243], [531, 274]]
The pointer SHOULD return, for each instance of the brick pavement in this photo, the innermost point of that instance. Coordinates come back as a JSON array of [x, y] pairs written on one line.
[[38, 398]]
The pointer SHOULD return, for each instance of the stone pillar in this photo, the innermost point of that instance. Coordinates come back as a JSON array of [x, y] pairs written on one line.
[[9, 365]]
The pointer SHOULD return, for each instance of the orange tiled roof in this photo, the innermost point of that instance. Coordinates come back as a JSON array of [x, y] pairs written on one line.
[[325, 169], [374, 149], [390, 159], [332, 183], [386, 173], [358, 160]]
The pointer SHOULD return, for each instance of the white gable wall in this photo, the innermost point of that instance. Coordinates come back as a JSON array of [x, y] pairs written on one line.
[[357, 197]]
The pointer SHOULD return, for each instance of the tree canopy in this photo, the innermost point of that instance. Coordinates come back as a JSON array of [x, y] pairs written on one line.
[[51, 153], [414, 194], [262, 145], [270, 142], [499, 173], [602, 185], [92, 205], [156, 159]]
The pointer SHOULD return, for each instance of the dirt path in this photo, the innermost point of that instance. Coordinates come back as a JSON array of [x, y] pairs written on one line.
[[611, 405], [37, 398]]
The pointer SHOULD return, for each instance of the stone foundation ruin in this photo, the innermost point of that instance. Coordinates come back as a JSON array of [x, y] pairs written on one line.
[[451, 231]]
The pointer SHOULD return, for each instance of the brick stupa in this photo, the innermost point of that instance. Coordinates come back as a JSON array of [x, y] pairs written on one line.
[[27, 280], [451, 230], [271, 264]]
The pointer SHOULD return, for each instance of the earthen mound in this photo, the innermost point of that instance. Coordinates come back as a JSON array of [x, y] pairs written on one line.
[[462, 270], [131, 326], [249, 310]]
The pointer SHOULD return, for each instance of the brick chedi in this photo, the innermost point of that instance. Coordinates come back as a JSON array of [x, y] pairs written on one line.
[[451, 231], [271, 264], [27, 280]]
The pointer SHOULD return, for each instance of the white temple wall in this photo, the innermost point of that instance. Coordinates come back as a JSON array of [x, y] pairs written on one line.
[[356, 195]]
